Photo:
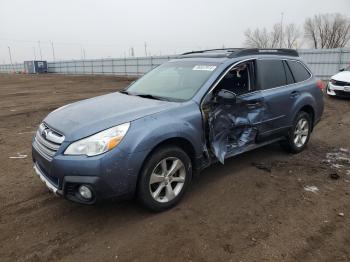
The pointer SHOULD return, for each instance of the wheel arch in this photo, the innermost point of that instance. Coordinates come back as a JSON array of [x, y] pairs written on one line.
[[305, 103], [180, 142], [311, 111]]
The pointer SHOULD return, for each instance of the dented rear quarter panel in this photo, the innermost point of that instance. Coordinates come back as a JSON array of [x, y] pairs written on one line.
[[310, 95]]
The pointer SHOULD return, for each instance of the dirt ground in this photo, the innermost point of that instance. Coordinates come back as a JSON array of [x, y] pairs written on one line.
[[254, 208]]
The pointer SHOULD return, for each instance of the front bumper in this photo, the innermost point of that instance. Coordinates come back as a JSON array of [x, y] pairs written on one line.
[[341, 91], [110, 175], [46, 180], [71, 184]]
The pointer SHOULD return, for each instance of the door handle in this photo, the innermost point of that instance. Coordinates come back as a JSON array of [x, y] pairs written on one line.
[[254, 103], [294, 94]]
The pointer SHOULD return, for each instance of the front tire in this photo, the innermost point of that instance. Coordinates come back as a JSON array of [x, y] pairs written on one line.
[[299, 134], [164, 178]]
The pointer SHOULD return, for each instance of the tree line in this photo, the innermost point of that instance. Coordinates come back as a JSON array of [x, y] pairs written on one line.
[[319, 31]]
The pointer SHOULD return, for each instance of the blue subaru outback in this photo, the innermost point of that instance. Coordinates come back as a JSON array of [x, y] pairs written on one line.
[[202, 107]]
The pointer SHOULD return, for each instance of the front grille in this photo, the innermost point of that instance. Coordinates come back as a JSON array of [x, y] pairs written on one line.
[[340, 83], [47, 141]]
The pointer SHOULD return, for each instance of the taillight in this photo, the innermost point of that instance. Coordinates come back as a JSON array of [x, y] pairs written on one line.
[[320, 84]]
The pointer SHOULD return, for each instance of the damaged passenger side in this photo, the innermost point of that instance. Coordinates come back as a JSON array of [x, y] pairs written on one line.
[[234, 109]]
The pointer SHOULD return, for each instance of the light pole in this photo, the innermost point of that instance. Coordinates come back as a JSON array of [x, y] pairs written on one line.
[[41, 56], [11, 58], [53, 51], [34, 52], [281, 40], [145, 49], [81, 52]]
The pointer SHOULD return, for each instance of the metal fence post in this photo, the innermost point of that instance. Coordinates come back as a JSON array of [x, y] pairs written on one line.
[[137, 66], [125, 74], [340, 58]]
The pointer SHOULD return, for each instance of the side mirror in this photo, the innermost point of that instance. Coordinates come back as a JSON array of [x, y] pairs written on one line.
[[225, 97], [341, 69]]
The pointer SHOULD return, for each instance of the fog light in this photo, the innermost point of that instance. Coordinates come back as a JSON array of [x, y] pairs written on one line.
[[85, 192]]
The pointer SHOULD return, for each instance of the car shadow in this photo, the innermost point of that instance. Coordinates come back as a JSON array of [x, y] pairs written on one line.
[[240, 162], [341, 98]]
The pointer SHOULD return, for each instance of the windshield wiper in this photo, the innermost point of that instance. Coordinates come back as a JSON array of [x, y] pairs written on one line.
[[150, 96], [144, 95], [124, 92]]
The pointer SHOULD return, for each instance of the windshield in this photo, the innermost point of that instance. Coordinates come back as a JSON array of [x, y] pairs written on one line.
[[177, 81]]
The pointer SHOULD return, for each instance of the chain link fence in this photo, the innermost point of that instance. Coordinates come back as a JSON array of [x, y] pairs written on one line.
[[135, 66], [323, 63]]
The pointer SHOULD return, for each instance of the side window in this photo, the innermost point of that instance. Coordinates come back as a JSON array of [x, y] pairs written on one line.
[[299, 71], [271, 73], [239, 80], [289, 76]]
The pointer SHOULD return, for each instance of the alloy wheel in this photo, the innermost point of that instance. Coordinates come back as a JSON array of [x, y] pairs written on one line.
[[301, 132], [167, 179]]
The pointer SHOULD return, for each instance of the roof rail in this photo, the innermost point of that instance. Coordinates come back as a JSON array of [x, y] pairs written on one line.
[[237, 52], [263, 51], [213, 50]]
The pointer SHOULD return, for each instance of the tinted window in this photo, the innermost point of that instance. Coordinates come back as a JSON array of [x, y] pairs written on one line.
[[289, 76], [299, 71], [271, 73]]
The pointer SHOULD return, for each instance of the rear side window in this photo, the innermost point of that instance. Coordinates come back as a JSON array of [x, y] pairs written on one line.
[[271, 73], [299, 71], [289, 76]]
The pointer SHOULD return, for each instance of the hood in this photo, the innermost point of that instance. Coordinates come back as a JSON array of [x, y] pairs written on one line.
[[87, 117], [342, 76]]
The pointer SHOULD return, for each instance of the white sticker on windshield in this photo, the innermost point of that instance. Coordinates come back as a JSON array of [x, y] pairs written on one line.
[[204, 67]]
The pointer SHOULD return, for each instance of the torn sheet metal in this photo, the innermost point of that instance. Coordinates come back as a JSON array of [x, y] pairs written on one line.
[[232, 128]]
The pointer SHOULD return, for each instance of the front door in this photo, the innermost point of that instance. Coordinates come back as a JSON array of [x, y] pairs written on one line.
[[233, 127]]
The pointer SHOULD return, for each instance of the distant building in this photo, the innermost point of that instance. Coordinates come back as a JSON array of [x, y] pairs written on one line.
[[35, 67]]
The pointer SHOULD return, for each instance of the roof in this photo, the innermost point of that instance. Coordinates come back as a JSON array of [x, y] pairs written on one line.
[[238, 52]]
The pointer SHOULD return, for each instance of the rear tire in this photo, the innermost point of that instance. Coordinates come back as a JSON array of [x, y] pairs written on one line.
[[299, 134], [164, 178]]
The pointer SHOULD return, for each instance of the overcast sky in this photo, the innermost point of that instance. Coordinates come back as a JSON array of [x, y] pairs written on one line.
[[106, 28]]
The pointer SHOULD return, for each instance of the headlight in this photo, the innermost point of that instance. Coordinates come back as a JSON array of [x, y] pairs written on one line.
[[99, 143]]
